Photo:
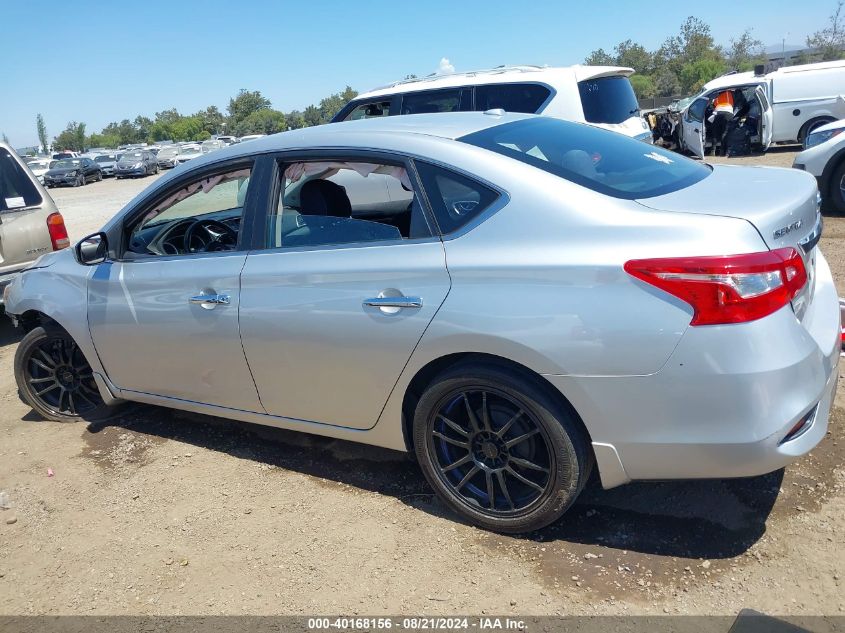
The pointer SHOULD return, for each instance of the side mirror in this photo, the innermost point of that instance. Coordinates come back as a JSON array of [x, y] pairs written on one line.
[[92, 250]]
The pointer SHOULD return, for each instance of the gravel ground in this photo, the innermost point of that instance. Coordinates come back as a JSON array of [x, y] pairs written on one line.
[[163, 512]]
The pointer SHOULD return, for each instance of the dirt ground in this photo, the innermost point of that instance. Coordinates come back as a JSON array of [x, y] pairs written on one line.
[[162, 512]]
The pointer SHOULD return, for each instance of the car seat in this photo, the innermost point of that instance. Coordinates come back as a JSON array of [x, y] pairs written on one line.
[[324, 197]]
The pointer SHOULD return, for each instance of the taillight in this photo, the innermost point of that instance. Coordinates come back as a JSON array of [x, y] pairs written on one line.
[[58, 232], [730, 288]]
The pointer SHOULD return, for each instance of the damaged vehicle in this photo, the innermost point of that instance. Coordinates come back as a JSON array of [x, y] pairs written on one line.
[[468, 313], [784, 106]]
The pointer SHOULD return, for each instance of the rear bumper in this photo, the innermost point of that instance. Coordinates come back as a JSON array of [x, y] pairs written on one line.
[[724, 403]]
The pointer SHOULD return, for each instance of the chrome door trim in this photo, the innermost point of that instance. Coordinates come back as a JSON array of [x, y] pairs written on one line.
[[394, 302]]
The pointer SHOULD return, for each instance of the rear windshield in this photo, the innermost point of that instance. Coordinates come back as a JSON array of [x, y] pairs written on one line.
[[608, 100], [16, 187], [610, 163]]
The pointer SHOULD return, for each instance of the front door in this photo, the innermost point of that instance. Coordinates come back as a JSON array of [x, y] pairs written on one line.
[[765, 117], [333, 309], [164, 317], [692, 127]]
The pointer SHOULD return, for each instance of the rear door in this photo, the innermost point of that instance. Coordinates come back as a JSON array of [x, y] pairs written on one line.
[[333, 308], [766, 117], [692, 126]]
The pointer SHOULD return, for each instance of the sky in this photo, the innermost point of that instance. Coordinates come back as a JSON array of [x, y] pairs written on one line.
[[118, 58]]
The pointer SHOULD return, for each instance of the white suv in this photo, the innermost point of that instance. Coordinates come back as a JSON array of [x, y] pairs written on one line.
[[600, 95]]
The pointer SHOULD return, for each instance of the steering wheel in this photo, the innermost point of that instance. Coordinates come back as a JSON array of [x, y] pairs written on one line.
[[206, 236]]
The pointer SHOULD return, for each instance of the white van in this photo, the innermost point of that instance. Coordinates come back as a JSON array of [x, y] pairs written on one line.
[[600, 95], [785, 105]]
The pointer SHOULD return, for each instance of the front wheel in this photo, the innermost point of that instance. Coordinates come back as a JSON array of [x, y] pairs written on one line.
[[55, 379], [836, 188], [498, 449]]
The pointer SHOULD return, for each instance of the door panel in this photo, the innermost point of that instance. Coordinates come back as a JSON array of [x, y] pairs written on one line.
[[692, 126], [151, 339], [317, 353], [766, 116]]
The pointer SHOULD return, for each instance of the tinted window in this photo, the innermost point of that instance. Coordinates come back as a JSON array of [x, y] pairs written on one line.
[[608, 100], [432, 101], [604, 161], [511, 97], [16, 188], [338, 202], [454, 199]]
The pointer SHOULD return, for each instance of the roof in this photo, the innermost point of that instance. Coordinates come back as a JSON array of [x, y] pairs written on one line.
[[445, 125], [748, 77], [501, 74]]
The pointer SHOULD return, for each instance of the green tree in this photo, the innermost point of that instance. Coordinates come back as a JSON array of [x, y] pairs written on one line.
[[830, 41], [261, 122], [41, 128], [143, 126], [332, 104], [187, 128], [295, 120], [5, 138], [245, 103], [744, 52], [72, 138], [600, 57], [311, 115], [697, 73], [643, 86], [666, 83], [103, 140], [212, 119], [693, 43], [633, 55]]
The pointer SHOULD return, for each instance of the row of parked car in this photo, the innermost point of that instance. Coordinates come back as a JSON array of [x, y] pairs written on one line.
[[133, 161]]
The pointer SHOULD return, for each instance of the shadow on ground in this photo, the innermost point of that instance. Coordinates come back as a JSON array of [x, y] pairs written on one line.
[[708, 519]]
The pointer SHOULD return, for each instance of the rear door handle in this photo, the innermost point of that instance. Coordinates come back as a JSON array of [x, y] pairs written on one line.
[[210, 299], [394, 302]]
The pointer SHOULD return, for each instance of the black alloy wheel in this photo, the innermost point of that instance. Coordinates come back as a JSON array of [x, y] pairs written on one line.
[[54, 377], [498, 449]]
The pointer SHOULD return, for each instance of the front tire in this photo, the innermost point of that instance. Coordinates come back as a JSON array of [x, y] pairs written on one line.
[[836, 188], [55, 379], [498, 449]]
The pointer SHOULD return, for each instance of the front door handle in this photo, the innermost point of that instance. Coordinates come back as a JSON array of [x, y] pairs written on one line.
[[394, 302], [210, 300]]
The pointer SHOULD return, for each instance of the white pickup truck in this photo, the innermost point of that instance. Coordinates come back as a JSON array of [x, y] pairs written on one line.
[[784, 105]]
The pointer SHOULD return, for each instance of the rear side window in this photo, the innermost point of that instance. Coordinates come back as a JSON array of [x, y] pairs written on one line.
[[454, 199], [525, 98], [431, 101], [16, 187], [610, 163], [369, 110], [608, 99]]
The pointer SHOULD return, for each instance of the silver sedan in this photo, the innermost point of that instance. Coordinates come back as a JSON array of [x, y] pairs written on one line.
[[514, 299]]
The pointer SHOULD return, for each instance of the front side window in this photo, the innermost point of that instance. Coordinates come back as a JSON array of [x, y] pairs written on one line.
[[608, 99], [16, 187], [431, 101], [527, 98], [696, 110], [454, 199], [370, 110], [610, 163], [328, 202], [202, 216]]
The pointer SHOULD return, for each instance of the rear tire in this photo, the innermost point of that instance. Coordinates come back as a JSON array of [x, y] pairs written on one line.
[[811, 125], [498, 449], [55, 379]]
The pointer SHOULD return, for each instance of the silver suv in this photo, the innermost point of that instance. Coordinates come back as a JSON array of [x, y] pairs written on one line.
[[30, 224]]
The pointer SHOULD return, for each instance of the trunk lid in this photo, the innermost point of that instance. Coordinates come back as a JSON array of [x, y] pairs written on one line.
[[782, 204]]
